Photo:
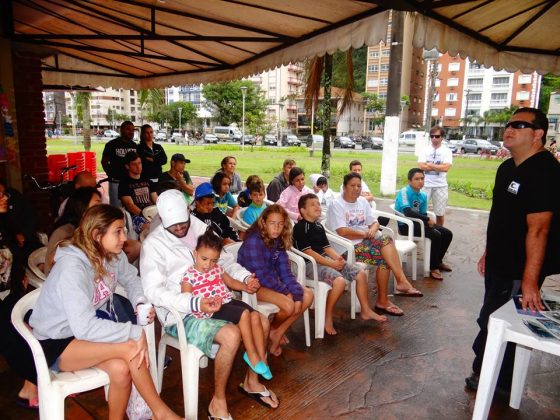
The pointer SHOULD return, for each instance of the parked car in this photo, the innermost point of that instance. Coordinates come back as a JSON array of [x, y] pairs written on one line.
[[290, 140], [410, 138], [314, 139], [178, 138], [372, 143], [249, 139], [161, 136], [478, 146], [450, 146], [270, 140], [110, 133], [210, 138], [344, 143]]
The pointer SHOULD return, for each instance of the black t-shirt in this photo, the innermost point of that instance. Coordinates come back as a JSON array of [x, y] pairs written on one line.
[[310, 235], [219, 223], [152, 170], [115, 151], [138, 189], [518, 191]]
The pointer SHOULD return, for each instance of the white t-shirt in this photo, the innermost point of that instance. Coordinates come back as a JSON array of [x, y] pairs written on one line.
[[358, 216], [440, 155]]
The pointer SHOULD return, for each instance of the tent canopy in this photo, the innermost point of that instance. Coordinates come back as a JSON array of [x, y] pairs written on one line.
[[154, 43]]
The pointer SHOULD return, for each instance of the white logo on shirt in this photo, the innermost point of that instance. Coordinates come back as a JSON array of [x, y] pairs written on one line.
[[513, 187]]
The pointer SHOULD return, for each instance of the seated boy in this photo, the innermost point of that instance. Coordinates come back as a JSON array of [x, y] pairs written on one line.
[[413, 202], [204, 210], [320, 186], [243, 198], [310, 237], [257, 206]]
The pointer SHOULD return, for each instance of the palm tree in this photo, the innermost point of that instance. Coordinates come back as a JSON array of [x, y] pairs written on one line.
[[151, 102], [83, 112]]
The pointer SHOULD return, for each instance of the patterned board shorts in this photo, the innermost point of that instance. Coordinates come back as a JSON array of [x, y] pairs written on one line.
[[439, 197], [199, 332], [369, 251], [328, 274]]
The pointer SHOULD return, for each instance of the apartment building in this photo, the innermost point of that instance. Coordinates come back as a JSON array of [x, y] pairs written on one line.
[[465, 90], [413, 78], [281, 87], [554, 117]]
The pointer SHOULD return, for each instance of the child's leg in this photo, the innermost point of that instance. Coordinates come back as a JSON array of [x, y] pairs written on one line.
[[258, 335], [246, 327], [120, 361], [337, 290], [284, 303]]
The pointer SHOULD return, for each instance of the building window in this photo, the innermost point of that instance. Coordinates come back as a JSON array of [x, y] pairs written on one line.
[[373, 68], [450, 112], [524, 79], [453, 81], [475, 67], [438, 82], [523, 95], [454, 66], [475, 82], [373, 54], [372, 83], [382, 95], [436, 97], [498, 99], [386, 53], [475, 98], [383, 82], [451, 97], [500, 82], [384, 67]]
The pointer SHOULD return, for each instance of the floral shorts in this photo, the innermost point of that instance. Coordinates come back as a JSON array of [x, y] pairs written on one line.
[[369, 251], [199, 332], [328, 274]]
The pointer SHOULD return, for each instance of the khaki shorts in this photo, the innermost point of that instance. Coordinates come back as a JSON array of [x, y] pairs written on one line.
[[439, 196]]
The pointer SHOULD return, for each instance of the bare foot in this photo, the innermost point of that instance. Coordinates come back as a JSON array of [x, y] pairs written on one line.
[[329, 327], [275, 350], [369, 314], [275, 343], [218, 408]]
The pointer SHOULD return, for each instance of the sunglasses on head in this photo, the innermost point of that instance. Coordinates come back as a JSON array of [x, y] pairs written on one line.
[[435, 136], [518, 125]]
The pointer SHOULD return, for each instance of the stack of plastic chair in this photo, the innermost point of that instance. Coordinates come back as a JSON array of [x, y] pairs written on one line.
[[55, 165]]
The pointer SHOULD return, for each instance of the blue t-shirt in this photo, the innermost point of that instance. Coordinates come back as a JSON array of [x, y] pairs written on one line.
[[408, 198], [227, 200], [252, 213]]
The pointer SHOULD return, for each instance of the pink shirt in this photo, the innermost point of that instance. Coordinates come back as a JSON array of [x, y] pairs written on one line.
[[207, 285], [289, 200]]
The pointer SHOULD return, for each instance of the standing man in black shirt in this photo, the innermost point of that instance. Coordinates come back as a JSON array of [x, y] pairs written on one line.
[[523, 235], [112, 159]]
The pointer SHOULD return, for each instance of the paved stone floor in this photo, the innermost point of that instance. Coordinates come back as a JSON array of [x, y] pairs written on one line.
[[409, 367]]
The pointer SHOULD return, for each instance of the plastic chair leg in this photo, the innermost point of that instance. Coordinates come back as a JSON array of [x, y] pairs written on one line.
[[522, 358], [51, 405], [189, 369], [160, 364], [307, 329], [320, 309]]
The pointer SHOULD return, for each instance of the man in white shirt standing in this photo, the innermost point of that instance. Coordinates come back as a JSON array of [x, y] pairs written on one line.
[[436, 162]]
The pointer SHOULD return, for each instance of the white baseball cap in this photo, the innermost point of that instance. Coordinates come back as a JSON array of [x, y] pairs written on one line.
[[172, 208]]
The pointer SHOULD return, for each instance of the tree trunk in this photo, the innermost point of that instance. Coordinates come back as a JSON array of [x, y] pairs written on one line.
[[87, 122], [327, 109]]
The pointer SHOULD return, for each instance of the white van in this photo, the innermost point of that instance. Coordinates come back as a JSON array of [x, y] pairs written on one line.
[[227, 133], [412, 138]]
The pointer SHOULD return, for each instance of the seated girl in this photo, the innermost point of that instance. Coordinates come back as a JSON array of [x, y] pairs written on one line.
[[207, 279], [65, 321], [290, 196], [224, 199], [264, 253]]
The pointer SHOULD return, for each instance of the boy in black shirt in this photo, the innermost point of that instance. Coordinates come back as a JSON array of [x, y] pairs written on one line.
[[310, 237]]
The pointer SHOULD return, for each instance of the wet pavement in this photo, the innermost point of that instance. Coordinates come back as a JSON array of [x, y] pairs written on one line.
[[410, 367]]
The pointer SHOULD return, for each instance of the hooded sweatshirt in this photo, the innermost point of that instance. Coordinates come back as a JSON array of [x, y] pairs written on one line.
[[71, 294]]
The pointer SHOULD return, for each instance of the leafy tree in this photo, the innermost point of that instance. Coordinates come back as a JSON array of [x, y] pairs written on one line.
[[151, 102], [116, 118], [171, 112], [550, 83], [225, 100]]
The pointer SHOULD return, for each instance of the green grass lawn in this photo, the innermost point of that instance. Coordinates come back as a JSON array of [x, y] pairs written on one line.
[[473, 172]]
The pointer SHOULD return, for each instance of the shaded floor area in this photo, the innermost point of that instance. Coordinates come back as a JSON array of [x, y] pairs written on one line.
[[409, 367]]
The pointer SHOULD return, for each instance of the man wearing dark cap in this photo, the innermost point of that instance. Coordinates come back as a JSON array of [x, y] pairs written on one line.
[[112, 159], [523, 234], [178, 174]]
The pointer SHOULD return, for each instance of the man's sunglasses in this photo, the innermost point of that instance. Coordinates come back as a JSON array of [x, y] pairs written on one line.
[[518, 125], [435, 136]]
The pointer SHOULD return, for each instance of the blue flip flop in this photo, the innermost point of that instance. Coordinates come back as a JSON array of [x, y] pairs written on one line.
[[260, 368]]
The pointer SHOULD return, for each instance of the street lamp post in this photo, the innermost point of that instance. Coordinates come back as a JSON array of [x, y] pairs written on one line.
[[467, 93], [243, 92], [180, 110]]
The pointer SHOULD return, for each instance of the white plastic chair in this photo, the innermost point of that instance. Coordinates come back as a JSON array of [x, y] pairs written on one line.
[[191, 360], [405, 245], [322, 289], [239, 218], [234, 223], [149, 212], [34, 269], [267, 308], [53, 387], [425, 243]]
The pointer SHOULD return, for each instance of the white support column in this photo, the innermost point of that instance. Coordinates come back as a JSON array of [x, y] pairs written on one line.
[[390, 155]]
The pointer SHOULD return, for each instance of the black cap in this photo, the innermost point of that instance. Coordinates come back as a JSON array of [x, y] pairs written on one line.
[[181, 157]]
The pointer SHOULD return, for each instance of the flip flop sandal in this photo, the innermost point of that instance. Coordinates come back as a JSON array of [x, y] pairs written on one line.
[[258, 396], [387, 311], [212, 417], [412, 292], [436, 276], [29, 404]]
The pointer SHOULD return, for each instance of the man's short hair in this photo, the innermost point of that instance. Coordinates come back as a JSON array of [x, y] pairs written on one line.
[[413, 172], [130, 157], [288, 162], [438, 128], [349, 177], [354, 163], [539, 119], [304, 199], [255, 187], [125, 123]]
